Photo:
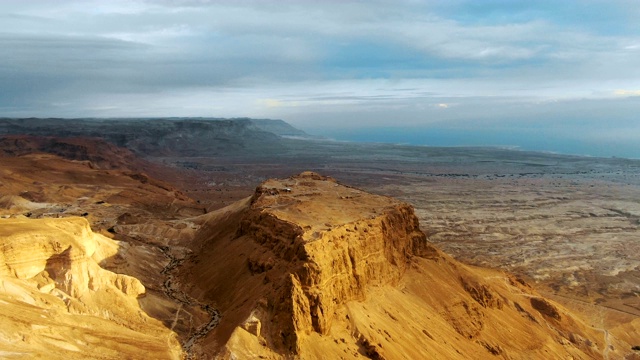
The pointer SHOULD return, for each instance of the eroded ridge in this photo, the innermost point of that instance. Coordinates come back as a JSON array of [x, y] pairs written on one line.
[[60, 299], [311, 268]]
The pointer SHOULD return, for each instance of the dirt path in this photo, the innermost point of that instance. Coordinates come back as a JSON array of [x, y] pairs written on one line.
[[607, 343], [173, 292]]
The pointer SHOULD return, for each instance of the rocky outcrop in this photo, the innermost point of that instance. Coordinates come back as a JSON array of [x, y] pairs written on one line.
[[481, 293], [311, 268], [546, 308], [62, 257], [320, 245], [338, 258], [59, 301]]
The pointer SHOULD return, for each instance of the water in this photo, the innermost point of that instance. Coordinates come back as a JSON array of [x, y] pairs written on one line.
[[543, 140]]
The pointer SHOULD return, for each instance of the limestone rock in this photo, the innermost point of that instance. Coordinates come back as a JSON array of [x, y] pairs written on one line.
[[65, 251], [253, 325], [310, 268], [51, 280], [546, 308], [370, 242]]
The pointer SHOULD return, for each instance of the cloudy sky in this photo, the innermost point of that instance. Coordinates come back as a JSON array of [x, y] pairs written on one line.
[[544, 75]]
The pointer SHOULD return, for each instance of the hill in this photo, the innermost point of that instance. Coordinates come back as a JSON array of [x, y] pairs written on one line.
[[59, 302], [312, 268], [165, 137], [306, 267], [279, 127]]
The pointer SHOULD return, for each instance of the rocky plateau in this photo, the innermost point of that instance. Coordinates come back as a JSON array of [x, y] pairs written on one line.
[[132, 246]]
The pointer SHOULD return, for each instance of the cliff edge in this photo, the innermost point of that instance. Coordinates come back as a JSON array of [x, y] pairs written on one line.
[[310, 268]]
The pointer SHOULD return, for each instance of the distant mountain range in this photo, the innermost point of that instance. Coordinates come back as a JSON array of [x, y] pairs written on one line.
[[166, 136]]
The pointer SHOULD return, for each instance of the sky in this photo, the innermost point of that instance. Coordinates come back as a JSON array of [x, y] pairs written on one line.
[[561, 76]]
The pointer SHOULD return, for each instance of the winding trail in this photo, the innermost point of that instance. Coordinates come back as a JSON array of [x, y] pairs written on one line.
[[607, 340], [607, 343], [184, 299]]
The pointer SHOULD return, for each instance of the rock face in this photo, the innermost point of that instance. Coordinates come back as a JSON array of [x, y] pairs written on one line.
[[369, 244], [64, 260], [312, 268], [54, 267]]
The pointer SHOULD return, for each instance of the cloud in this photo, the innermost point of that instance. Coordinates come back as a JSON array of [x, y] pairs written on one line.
[[275, 103], [270, 102], [627, 92], [338, 63]]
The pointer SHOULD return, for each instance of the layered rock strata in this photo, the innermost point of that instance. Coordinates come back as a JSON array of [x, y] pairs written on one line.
[[55, 268], [367, 243], [310, 268]]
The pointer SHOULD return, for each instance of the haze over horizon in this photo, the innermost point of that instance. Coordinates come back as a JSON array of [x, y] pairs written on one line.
[[543, 75]]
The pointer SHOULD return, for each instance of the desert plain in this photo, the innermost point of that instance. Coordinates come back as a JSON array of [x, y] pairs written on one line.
[[569, 224], [211, 255]]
